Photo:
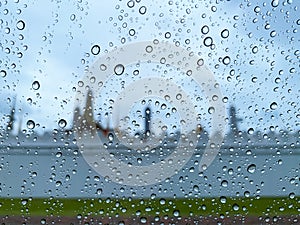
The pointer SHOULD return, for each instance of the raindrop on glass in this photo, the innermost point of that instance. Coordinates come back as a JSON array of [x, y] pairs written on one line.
[[143, 10], [275, 3], [226, 60], [20, 25], [251, 168], [235, 207], [3, 73], [208, 41], [35, 85], [205, 29], [95, 49], [149, 49], [62, 123], [273, 105], [30, 124], [225, 33], [119, 69]]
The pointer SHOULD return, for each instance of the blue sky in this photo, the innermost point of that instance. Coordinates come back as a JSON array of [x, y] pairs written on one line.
[[263, 67]]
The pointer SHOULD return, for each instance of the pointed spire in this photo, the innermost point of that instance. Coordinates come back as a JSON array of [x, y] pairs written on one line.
[[10, 125], [88, 111], [234, 120]]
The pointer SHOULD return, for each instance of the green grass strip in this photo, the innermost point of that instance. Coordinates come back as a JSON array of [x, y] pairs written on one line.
[[151, 207]]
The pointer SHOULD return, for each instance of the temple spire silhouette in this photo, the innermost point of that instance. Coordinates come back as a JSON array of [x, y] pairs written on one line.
[[11, 116], [234, 120]]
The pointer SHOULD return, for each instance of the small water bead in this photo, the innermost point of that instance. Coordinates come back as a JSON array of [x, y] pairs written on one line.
[[167, 35], [223, 199], [20, 25], [30, 124], [250, 131], [62, 123], [200, 62], [95, 49], [275, 3], [119, 69], [35, 85], [251, 168], [103, 67], [254, 49], [235, 207], [72, 17], [208, 41], [131, 3], [225, 33], [224, 183], [273, 105], [131, 32], [176, 213], [226, 60], [143, 220], [142, 10], [205, 29], [257, 9], [149, 49], [3, 73]]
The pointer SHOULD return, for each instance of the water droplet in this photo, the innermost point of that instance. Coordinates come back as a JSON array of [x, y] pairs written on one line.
[[132, 32], [162, 201], [235, 207], [35, 85], [130, 4], [292, 195], [99, 191], [224, 183], [20, 25], [119, 69], [254, 49], [273, 105], [24, 201], [251, 168], [254, 79], [226, 60], [143, 10], [167, 35], [143, 220], [273, 33], [196, 188], [30, 124], [205, 29], [275, 3], [208, 41], [225, 33], [95, 49], [58, 183], [43, 221], [257, 9], [62, 123], [72, 17], [247, 194], [3, 73], [149, 49], [103, 67], [223, 199], [200, 62], [176, 213], [250, 131], [211, 110]]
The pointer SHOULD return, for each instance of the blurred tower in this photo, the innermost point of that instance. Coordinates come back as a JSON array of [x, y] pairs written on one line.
[[11, 116], [234, 120], [147, 121], [88, 110]]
